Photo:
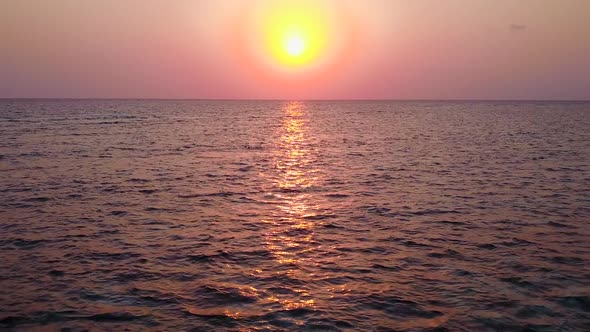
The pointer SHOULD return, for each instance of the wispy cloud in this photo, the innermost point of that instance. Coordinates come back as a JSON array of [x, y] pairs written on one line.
[[517, 27]]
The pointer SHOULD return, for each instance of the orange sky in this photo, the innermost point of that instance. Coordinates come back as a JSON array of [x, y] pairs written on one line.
[[372, 49]]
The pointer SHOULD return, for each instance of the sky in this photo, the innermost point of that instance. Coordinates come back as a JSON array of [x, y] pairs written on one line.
[[283, 49]]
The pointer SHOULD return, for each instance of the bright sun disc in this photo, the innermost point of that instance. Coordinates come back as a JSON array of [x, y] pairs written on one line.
[[295, 33], [299, 37], [295, 46]]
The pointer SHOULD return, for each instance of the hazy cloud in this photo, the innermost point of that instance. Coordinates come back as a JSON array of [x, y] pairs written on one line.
[[517, 27]]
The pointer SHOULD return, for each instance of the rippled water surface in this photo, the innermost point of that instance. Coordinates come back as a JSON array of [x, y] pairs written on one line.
[[282, 216]]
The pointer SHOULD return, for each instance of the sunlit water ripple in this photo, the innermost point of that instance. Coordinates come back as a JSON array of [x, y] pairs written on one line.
[[281, 216]]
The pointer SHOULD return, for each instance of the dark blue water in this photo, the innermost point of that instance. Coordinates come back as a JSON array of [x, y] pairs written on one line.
[[294, 216]]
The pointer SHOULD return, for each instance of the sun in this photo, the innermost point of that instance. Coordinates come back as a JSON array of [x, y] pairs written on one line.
[[297, 42], [294, 46], [295, 33], [296, 39]]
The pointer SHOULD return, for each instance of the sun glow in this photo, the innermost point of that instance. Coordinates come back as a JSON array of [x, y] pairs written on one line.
[[295, 46], [295, 40], [296, 33]]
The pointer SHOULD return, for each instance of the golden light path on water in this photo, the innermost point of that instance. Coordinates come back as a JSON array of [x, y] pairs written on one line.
[[291, 235], [288, 224]]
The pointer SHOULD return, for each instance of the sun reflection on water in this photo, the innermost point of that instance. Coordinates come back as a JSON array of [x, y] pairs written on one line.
[[290, 234], [293, 159]]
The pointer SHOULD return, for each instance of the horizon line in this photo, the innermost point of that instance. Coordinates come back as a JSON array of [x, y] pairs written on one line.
[[302, 99]]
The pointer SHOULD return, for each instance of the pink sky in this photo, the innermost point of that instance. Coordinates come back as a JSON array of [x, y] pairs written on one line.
[[393, 49]]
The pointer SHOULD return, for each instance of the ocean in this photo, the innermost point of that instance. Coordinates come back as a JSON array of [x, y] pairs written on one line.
[[294, 215]]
